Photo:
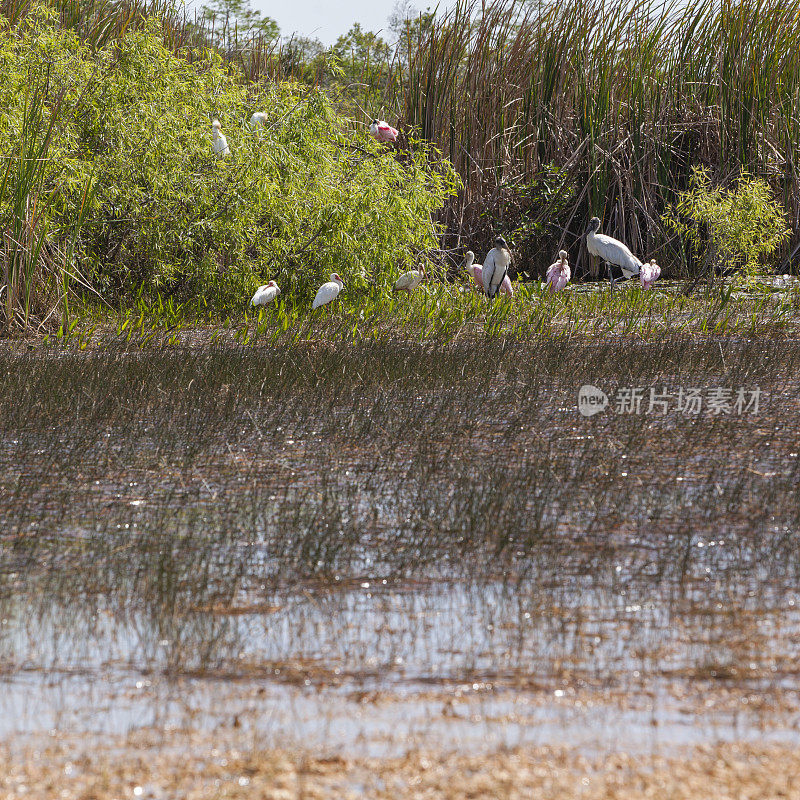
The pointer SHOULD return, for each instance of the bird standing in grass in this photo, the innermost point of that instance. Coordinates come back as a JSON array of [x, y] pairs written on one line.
[[475, 271], [649, 274], [258, 119], [265, 294], [328, 292], [495, 268], [218, 140], [409, 281], [558, 273], [383, 131], [612, 251]]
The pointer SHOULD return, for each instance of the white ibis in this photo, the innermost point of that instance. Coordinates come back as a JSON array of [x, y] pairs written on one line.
[[258, 119], [218, 141], [611, 250], [265, 294], [558, 273], [649, 274], [383, 131], [328, 292], [409, 281], [475, 271], [495, 267]]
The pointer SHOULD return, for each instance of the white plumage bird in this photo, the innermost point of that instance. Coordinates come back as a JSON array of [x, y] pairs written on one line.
[[475, 271], [265, 294], [611, 250], [258, 119], [328, 292], [495, 266], [218, 140], [409, 281]]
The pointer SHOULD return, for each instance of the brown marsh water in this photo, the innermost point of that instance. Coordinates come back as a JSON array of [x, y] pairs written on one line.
[[354, 547]]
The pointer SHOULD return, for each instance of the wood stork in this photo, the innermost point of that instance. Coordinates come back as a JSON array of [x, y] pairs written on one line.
[[495, 267], [558, 273], [475, 271], [409, 281], [218, 141], [383, 131], [649, 274], [612, 251], [265, 294], [258, 119], [328, 292]]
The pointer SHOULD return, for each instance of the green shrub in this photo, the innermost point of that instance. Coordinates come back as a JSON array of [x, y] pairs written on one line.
[[731, 229], [306, 195]]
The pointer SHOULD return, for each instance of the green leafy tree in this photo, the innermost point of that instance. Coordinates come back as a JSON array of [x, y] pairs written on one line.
[[297, 199], [729, 228], [235, 23]]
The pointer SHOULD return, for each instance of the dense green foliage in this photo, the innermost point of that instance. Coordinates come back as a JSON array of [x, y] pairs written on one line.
[[304, 195], [729, 229]]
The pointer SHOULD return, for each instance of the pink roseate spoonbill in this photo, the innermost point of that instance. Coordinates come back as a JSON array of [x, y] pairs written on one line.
[[265, 294], [383, 131], [258, 119], [612, 251], [495, 268], [558, 273], [649, 274], [475, 271], [328, 292], [218, 140], [409, 281]]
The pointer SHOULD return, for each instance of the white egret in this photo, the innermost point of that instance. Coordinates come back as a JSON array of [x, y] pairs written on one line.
[[495, 267], [265, 294], [219, 142], [328, 292]]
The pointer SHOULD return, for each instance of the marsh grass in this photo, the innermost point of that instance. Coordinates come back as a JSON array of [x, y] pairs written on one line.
[[160, 483], [449, 312]]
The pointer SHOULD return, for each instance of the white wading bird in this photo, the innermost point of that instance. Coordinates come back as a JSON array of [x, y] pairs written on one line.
[[649, 274], [475, 271], [495, 267], [265, 294], [383, 131], [558, 273], [218, 140], [328, 292], [409, 281], [258, 119], [612, 251]]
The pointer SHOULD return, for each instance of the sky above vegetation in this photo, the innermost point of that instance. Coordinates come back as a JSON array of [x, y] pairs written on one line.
[[326, 20]]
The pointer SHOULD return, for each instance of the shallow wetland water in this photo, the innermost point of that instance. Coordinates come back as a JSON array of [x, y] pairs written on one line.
[[366, 550]]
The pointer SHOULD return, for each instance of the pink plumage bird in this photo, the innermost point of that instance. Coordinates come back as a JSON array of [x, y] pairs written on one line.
[[383, 131], [558, 273], [649, 274], [475, 271]]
